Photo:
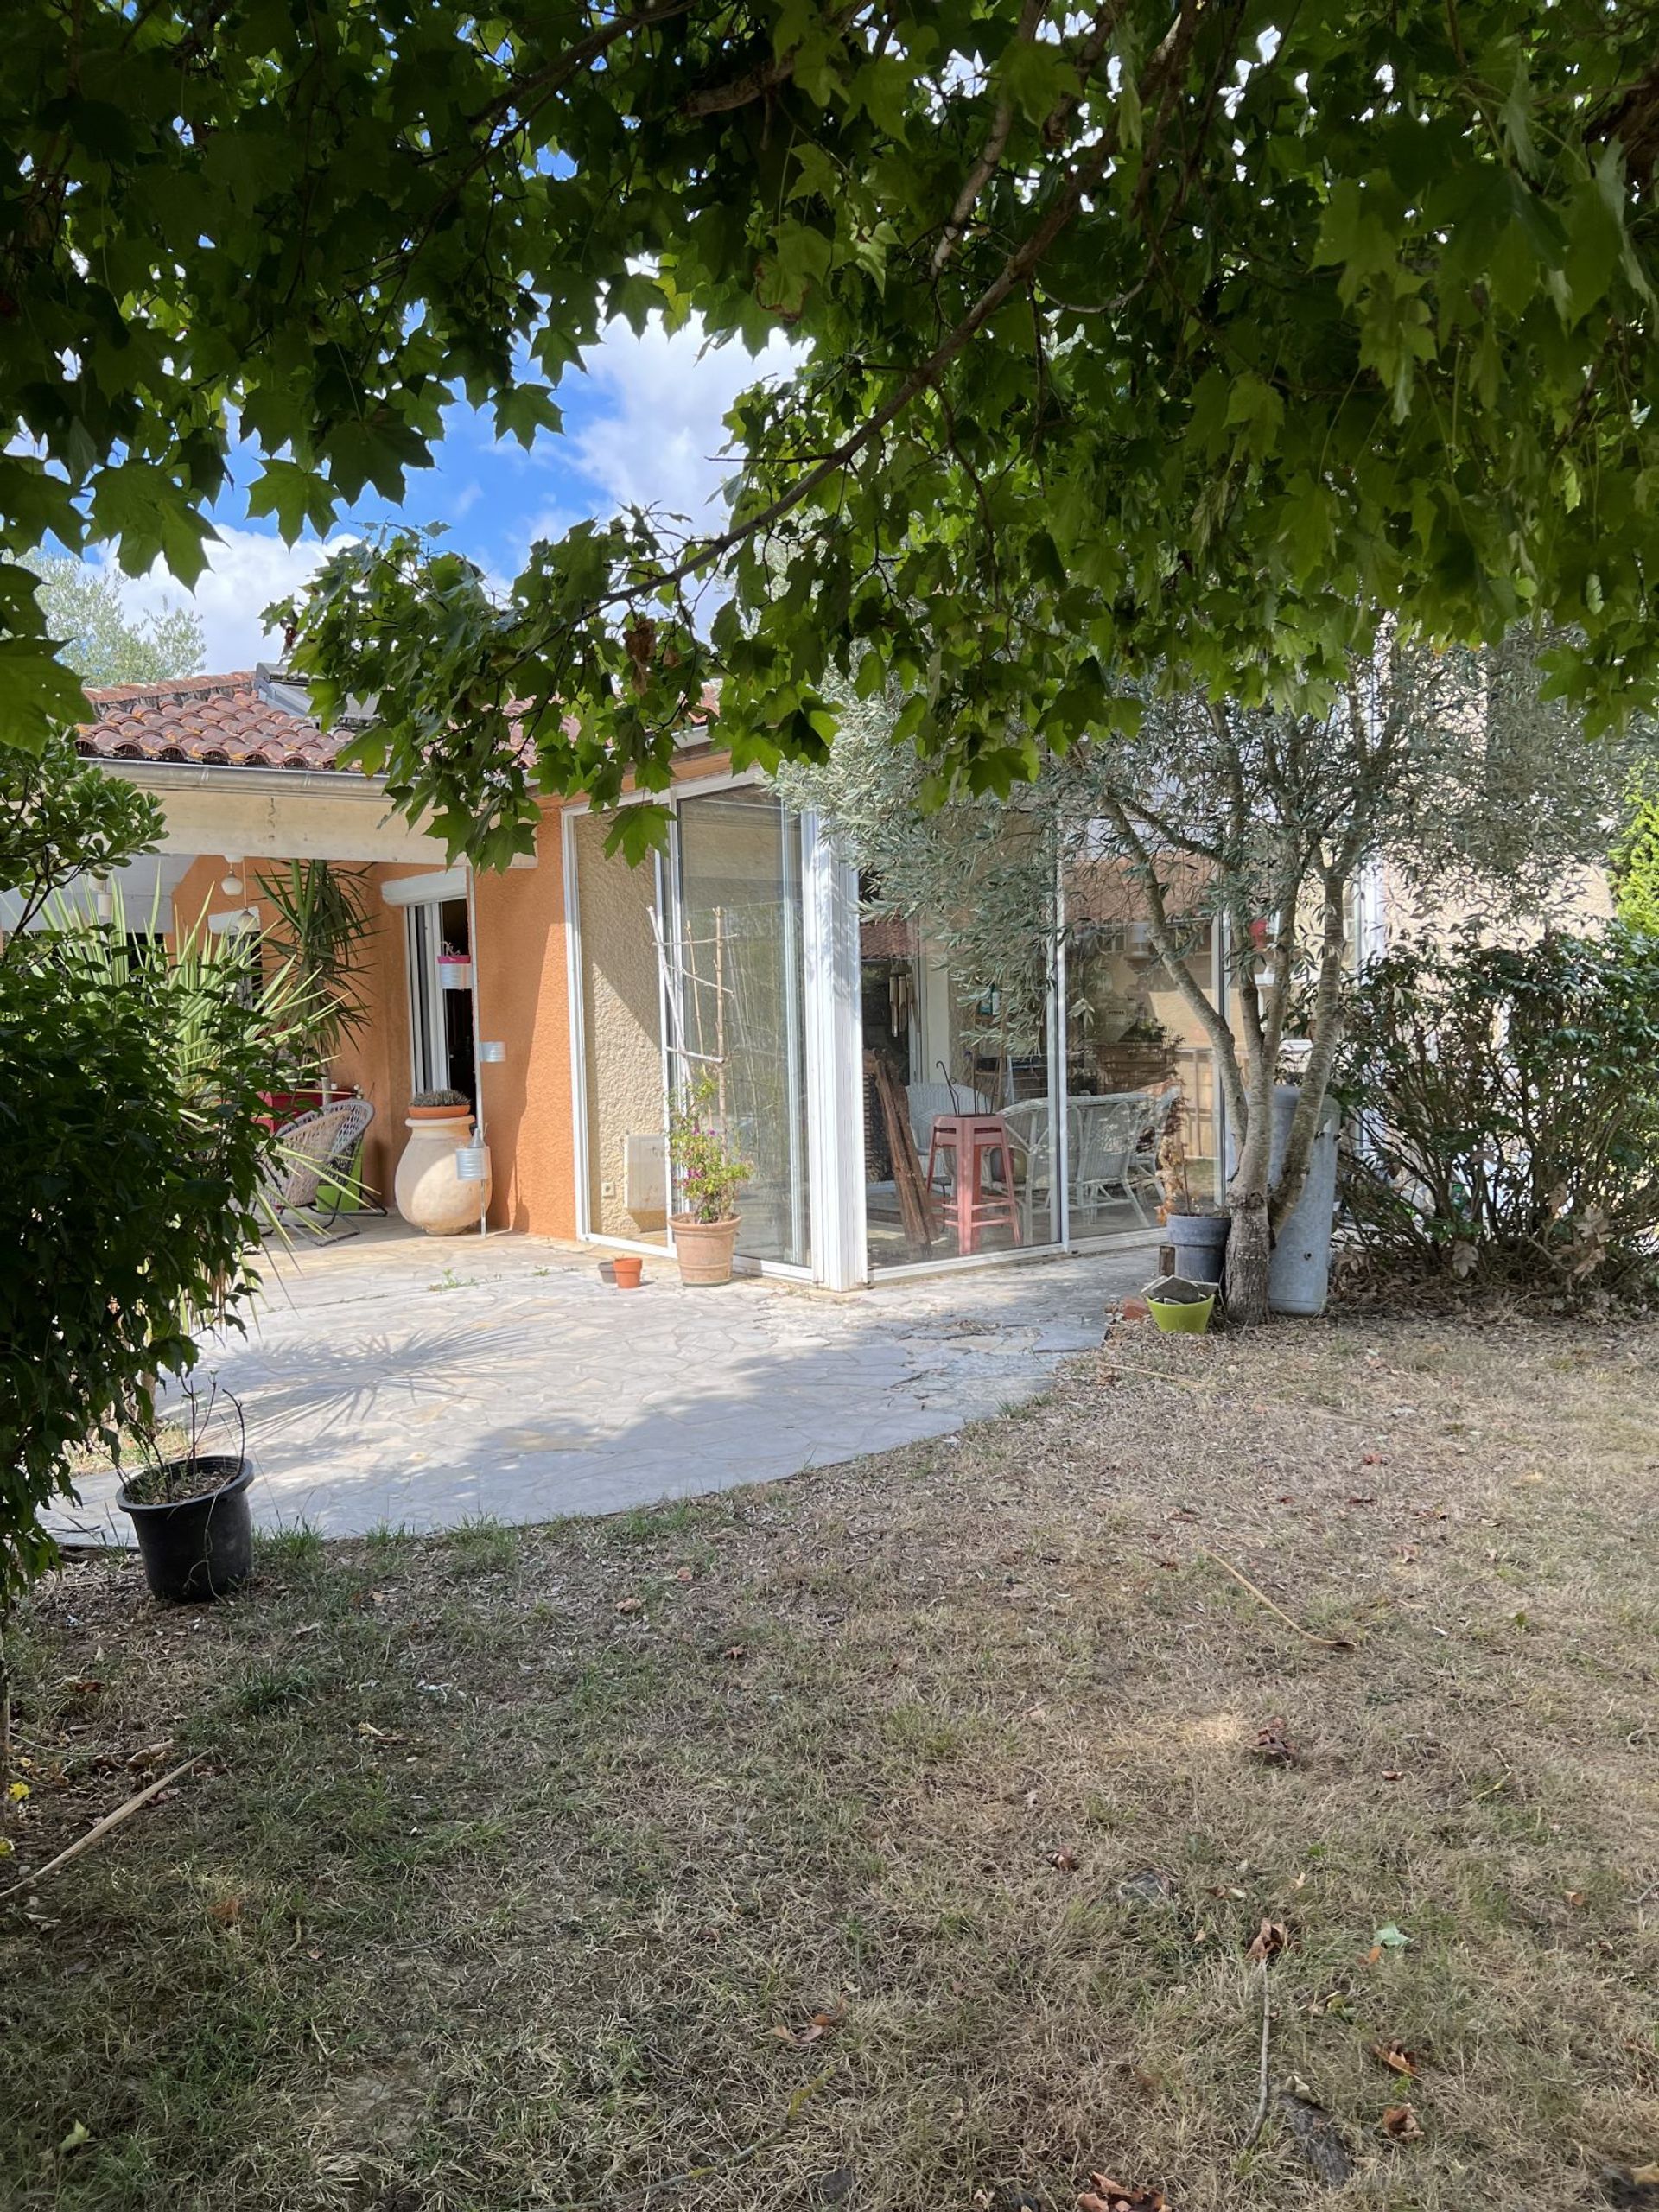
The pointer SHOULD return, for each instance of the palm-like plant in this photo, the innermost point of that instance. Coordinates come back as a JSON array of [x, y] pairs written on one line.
[[323, 922]]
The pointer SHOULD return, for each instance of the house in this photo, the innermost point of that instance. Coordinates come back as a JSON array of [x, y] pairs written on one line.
[[565, 996]]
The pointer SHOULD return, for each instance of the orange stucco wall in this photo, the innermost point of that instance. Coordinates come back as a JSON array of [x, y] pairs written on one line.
[[520, 978], [520, 981], [522, 999]]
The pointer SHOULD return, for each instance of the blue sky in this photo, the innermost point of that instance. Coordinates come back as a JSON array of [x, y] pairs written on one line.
[[641, 424]]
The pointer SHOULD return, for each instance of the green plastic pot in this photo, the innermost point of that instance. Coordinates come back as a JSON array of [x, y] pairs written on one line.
[[1185, 1318]]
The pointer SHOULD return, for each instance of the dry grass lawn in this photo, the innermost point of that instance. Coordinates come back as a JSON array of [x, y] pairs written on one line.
[[894, 1837]]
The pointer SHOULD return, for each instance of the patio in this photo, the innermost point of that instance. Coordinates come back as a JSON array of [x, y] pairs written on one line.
[[401, 1381]]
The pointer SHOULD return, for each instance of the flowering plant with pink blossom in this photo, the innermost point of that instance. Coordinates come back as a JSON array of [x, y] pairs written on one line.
[[707, 1169]]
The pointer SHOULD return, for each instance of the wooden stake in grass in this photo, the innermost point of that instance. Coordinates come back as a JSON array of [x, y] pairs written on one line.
[[1323, 1643], [110, 1821], [1261, 2099]]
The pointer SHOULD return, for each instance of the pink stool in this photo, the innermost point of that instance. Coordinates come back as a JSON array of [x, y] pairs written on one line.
[[973, 1141]]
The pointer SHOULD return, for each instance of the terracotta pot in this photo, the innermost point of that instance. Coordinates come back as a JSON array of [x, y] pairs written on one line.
[[626, 1270], [704, 1248], [430, 1193]]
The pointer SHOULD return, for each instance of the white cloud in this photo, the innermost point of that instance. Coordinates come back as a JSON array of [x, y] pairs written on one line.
[[658, 442], [246, 570]]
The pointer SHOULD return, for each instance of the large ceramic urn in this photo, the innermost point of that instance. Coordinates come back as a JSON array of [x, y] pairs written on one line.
[[430, 1192]]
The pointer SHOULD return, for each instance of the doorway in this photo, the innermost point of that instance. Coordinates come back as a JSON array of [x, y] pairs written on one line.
[[439, 946]]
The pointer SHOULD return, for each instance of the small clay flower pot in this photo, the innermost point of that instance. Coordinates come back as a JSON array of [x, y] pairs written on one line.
[[625, 1270]]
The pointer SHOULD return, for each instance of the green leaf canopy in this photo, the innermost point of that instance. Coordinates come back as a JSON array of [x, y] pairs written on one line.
[[1205, 332]]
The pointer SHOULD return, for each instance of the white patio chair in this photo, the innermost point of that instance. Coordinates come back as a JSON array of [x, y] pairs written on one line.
[[1030, 1128], [1109, 1148], [313, 1151]]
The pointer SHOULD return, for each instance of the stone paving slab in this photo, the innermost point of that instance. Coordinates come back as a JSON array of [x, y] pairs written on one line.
[[399, 1381]]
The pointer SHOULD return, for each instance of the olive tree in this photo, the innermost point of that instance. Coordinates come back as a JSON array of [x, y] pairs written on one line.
[[1452, 767]]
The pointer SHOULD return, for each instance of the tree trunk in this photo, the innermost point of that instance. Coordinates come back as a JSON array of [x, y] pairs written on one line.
[[1249, 1247]]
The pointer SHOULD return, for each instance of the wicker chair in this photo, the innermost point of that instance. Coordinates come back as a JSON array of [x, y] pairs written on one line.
[[314, 1155]]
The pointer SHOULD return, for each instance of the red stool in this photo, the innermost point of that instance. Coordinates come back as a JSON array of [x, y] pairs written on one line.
[[973, 1142]]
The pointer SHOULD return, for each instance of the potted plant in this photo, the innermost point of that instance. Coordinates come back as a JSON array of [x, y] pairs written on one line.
[[189, 1508], [320, 930], [430, 1188], [1195, 1229], [708, 1171], [439, 1105]]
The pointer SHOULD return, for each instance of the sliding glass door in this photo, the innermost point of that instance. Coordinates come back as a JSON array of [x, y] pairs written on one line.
[[624, 1107], [736, 998], [692, 966]]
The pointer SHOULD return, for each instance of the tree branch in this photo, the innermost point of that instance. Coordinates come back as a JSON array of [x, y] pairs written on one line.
[[985, 168], [1163, 938], [767, 76]]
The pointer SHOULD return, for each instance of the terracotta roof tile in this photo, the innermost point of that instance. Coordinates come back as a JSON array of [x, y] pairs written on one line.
[[240, 721], [216, 720]]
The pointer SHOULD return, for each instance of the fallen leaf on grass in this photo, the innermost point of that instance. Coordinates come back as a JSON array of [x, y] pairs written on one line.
[[812, 2030], [736, 1651], [227, 1911], [1387, 1938], [1395, 2055], [79, 2134], [1273, 1742], [152, 1755], [1105, 2195], [630, 1605], [1270, 1939], [1065, 1858], [683, 1574], [1399, 2124]]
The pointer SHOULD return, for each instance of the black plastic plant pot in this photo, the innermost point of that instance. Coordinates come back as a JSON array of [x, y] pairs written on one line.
[[203, 1547]]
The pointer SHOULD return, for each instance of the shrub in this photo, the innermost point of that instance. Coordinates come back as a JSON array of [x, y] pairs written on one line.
[[1505, 1108], [130, 1207], [1636, 867]]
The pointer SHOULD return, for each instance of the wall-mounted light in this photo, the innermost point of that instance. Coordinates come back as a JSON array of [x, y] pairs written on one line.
[[492, 1053]]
